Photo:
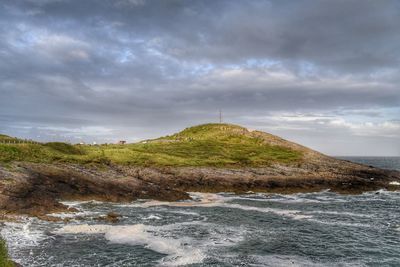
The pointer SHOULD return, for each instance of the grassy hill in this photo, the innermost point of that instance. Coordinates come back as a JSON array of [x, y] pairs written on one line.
[[204, 145]]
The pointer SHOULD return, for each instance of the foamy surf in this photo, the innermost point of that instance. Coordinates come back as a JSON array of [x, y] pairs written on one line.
[[152, 217], [199, 200], [178, 251], [71, 215], [343, 213], [22, 234], [341, 224], [209, 200], [79, 203], [219, 230], [281, 199]]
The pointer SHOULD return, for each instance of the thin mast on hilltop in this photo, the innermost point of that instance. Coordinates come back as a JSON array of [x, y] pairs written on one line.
[[220, 116]]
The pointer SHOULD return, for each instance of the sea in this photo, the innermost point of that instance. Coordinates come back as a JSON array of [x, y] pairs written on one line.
[[224, 229]]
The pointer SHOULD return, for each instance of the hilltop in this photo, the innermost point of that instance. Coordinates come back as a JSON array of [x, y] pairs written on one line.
[[205, 158], [204, 145]]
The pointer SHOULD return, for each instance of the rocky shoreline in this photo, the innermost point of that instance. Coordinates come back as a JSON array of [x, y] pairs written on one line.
[[247, 161], [36, 189]]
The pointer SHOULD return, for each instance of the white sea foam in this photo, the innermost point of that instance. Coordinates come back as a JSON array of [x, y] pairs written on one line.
[[340, 213], [178, 251], [167, 239], [314, 197], [394, 183], [328, 199], [152, 217], [189, 242], [294, 214], [183, 212], [22, 234], [84, 229], [286, 200], [200, 200], [338, 223], [79, 203], [216, 200], [377, 192], [71, 215]]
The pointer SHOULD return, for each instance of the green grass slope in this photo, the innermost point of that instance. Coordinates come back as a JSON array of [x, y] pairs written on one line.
[[216, 145]]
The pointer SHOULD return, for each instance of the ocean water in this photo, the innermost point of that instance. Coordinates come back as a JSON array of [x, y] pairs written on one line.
[[381, 162], [304, 229]]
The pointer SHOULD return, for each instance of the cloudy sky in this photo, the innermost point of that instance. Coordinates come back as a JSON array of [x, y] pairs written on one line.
[[322, 73]]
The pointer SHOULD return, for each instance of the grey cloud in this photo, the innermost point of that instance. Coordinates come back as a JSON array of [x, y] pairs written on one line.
[[138, 69], [341, 35]]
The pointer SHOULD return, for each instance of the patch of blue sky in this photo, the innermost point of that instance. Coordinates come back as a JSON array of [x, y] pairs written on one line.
[[201, 69], [25, 38], [307, 68], [262, 63], [125, 55], [373, 115]]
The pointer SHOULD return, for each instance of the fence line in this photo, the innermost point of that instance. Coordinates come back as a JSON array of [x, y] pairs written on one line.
[[12, 142]]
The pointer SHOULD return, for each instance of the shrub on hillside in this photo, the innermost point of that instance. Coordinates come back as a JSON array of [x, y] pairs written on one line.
[[4, 259]]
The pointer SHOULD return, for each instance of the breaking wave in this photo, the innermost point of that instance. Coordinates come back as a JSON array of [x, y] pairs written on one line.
[[217, 230], [178, 251]]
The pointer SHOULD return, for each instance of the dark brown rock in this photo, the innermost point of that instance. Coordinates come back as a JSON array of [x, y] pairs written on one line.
[[35, 189]]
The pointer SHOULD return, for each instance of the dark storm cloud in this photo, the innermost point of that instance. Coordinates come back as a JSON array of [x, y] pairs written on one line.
[[143, 68], [349, 34]]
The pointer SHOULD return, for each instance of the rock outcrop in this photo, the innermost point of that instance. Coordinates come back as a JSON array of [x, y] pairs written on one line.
[[247, 161], [36, 189]]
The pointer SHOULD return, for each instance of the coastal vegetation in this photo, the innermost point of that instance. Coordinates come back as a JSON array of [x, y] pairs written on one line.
[[215, 157], [216, 145], [4, 259], [6, 138]]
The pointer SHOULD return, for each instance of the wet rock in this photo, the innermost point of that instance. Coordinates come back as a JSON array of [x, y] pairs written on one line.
[[49, 218], [111, 217], [36, 189]]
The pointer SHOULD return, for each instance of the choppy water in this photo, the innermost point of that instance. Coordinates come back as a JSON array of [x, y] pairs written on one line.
[[313, 229]]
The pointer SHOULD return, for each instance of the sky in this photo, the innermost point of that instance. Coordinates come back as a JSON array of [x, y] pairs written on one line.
[[322, 73]]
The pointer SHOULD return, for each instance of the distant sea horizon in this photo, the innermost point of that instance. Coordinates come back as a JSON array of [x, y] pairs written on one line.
[[384, 162]]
